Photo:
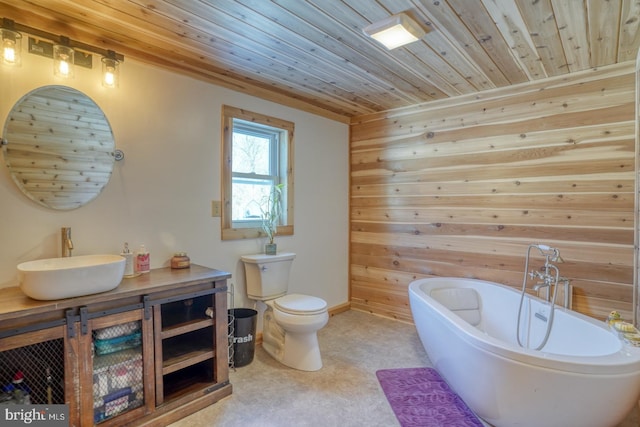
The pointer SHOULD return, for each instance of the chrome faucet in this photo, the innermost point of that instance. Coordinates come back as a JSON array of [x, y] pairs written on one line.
[[67, 244], [546, 279]]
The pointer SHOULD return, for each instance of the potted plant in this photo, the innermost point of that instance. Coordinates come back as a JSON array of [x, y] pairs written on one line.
[[270, 211]]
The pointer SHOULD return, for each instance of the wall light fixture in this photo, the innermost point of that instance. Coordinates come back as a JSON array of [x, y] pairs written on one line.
[[66, 53], [395, 31]]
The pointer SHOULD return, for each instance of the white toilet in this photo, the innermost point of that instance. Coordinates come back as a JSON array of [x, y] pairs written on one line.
[[290, 322]]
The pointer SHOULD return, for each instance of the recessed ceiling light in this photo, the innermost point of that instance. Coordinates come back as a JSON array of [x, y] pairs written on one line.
[[395, 31]]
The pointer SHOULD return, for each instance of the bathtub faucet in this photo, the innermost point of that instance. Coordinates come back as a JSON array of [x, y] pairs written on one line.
[[543, 283], [546, 279], [549, 273], [550, 255], [547, 276]]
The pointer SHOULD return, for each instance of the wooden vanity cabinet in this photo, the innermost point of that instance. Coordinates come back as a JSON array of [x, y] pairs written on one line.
[[150, 352]]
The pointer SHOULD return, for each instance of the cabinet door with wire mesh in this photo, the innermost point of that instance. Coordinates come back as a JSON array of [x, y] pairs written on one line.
[[32, 368], [117, 345]]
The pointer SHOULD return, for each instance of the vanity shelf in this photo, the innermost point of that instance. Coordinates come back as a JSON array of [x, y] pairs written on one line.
[[187, 349], [172, 360], [183, 328], [185, 337]]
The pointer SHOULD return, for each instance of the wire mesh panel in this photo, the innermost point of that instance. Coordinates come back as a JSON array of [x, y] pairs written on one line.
[[231, 320], [33, 374], [117, 370], [231, 327]]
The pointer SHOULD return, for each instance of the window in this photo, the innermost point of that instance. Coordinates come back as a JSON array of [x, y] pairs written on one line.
[[257, 153]]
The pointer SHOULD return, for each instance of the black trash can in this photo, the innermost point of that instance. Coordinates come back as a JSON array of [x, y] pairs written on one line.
[[243, 334]]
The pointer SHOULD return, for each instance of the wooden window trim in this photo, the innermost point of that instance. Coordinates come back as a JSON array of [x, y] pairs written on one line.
[[228, 114]]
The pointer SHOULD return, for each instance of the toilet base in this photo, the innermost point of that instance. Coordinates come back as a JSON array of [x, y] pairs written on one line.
[[300, 352], [297, 350]]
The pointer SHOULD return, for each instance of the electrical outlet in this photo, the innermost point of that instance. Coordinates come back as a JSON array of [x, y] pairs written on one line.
[[215, 208]]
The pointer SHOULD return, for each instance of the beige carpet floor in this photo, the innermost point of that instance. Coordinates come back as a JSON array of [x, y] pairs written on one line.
[[344, 393]]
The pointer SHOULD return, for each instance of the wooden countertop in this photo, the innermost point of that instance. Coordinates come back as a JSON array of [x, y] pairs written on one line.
[[13, 300]]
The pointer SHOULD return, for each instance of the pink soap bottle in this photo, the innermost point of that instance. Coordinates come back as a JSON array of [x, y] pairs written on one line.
[[142, 260]]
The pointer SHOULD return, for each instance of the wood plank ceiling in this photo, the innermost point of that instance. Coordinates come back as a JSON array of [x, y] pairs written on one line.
[[313, 55]]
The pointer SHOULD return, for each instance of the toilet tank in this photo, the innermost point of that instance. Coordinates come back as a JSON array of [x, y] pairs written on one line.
[[267, 276]]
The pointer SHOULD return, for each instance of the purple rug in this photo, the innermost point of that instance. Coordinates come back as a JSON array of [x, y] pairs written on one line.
[[421, 398]]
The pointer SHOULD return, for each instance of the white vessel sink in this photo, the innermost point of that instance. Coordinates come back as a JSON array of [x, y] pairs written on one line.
[[57, 278]]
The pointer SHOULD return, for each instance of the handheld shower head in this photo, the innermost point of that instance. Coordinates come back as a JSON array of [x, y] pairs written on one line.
[[551, 254], [544, 250]]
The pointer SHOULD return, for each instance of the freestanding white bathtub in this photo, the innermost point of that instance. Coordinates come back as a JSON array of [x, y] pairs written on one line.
[[584, 376]]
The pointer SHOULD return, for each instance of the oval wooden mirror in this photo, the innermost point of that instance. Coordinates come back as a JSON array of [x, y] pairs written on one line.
[[59, 147]]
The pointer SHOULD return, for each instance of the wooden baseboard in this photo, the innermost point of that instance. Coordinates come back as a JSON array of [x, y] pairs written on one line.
[[339, 308]]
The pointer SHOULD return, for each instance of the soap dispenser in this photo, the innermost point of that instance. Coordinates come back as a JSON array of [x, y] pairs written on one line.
[[129, 270]]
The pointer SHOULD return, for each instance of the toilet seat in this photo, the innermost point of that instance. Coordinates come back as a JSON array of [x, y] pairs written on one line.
[[300, 304]]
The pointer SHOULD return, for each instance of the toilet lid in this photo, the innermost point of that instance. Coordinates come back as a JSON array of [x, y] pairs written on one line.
[[300, 304]]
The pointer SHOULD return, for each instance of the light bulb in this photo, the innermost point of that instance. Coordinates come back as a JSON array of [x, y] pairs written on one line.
[[109, 77], [9, 53], [64, 68]]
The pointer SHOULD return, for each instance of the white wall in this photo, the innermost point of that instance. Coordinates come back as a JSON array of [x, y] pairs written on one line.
[[169, 128]]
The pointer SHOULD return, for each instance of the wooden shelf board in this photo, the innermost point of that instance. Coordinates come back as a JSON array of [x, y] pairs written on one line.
[[185, 360], [183, 328]]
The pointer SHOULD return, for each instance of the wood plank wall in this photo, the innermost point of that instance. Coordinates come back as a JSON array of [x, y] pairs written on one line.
[[461, 187]]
